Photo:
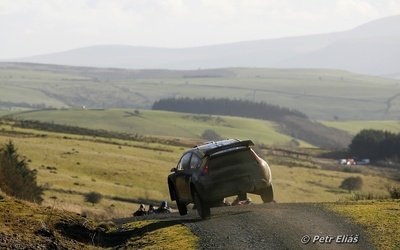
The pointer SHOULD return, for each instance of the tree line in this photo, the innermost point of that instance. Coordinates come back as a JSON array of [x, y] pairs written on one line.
[[224, 106], [4, 104], [376, 145]]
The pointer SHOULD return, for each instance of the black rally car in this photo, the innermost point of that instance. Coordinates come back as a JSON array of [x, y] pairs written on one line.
[[208, 173]]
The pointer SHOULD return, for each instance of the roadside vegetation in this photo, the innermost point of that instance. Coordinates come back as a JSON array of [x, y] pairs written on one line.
[[153, 234], [29, 226], [380, 218]]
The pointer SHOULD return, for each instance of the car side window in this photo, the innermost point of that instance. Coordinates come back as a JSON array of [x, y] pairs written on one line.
[[184, 162], [195, 161]]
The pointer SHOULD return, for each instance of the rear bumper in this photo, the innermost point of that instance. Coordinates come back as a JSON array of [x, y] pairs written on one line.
[[215, 191]]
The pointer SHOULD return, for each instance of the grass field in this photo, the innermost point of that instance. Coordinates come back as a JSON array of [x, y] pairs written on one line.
[[297, 184], [72, 167], [69, 166], [162, 123], [321, 94], [4, 112], [354, 127], [381, 220]]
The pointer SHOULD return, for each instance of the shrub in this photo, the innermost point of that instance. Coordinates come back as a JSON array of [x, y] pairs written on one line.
[[294, 143], [352, 183], [356, 196], [93, 197], [394, 192], [210, 135], [16, 179]]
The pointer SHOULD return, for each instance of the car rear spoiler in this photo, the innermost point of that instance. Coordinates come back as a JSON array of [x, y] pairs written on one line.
[[247, 143]]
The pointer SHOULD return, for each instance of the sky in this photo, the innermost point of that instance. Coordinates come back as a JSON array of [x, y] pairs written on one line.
[[33, 27]]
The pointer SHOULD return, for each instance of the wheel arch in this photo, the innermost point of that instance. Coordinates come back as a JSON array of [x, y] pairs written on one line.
[[172, 191], [192, 189]]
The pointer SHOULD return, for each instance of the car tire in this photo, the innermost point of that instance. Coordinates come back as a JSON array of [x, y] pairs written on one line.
[[202, 208], [267, 194], [181, 207]]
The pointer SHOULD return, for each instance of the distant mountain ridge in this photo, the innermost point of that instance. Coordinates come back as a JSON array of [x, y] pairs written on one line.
[[372, 48]]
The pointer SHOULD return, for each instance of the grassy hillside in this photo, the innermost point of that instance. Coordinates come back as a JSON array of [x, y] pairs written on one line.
[[321, 94], [162, 123], [354, 127], [129, 172], [29, 226], [70, 166], [6, 112]]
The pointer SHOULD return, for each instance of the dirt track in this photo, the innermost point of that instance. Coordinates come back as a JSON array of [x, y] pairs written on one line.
[[271, 226]]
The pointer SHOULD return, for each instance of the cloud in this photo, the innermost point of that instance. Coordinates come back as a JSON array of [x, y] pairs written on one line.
[[41, 26], [355, 7]]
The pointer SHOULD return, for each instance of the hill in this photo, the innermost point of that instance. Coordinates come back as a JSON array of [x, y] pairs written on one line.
[[128, 172], [371, 48], [291, 122], [320, 94], [362, 50], [354, 127], [164, 124]]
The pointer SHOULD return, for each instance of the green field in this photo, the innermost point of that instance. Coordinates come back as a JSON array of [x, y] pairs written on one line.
[[4, 112], [162, 123], [321, 94], [354, 127], [71, 165]]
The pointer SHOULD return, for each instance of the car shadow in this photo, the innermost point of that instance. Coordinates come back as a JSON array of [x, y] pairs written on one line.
[[119, 237]]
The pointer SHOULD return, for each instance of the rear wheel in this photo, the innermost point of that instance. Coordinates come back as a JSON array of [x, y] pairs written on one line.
[[267, 194], [202, 208], [181, 207]]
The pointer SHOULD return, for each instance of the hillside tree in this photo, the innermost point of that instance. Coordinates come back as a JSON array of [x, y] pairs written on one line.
[[16, 179]]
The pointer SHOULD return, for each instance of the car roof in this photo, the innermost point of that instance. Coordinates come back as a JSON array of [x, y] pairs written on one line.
[[215, 146]]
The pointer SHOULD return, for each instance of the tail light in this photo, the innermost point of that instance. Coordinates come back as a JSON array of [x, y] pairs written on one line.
[[205, 170]]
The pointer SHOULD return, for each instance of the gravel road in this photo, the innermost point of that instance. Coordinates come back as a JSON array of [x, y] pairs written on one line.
[[272, 226]]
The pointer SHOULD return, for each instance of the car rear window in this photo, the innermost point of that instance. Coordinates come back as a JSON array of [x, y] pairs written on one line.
[[229, 158], [195, 161]]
